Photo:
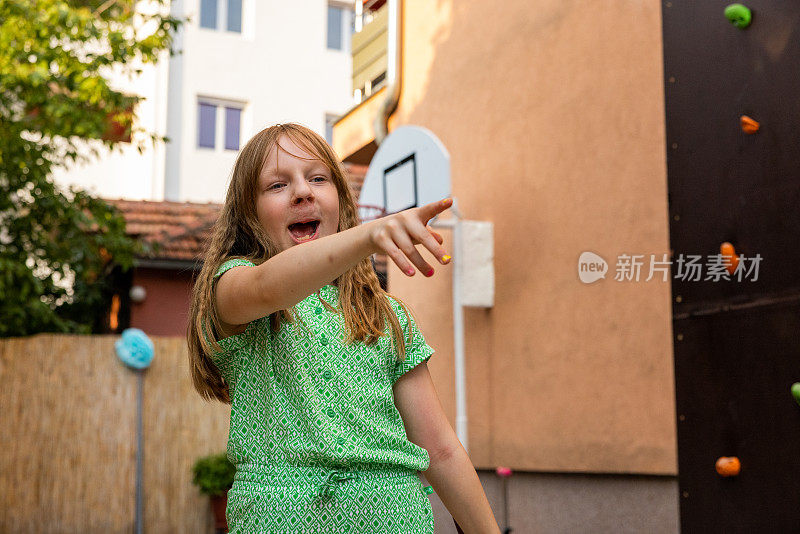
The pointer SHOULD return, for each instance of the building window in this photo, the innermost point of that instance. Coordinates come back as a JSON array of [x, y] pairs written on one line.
[[208, 14], [216, 15], [341, 26], [219, 123], [207, 125], [335, 27], [233, 120], [329, 121], [378, 81]]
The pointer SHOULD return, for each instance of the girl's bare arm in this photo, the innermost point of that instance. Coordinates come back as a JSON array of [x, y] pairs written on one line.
[[450, 472], [244, 294], [456, 482]]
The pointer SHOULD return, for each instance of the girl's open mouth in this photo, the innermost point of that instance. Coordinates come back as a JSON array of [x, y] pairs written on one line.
[[305, 231]]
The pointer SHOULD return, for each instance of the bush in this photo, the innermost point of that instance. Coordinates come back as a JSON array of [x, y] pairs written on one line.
[[213, 474]]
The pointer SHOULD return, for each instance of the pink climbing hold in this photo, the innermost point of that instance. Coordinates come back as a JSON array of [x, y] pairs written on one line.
[[504, 472]]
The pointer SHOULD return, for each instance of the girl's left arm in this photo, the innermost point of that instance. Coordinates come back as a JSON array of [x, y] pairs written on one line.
[[450, 472]]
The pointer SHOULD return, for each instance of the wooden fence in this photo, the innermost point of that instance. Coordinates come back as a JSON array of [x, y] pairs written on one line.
[[68, 443]]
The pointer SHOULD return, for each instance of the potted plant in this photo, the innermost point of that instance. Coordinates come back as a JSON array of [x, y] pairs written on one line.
[[214, 476]]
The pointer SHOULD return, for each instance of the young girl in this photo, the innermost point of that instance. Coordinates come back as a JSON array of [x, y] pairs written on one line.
[[333, 411]]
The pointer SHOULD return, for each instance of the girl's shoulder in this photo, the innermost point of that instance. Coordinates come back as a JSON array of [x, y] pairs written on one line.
[[401, 310], [231, 263]]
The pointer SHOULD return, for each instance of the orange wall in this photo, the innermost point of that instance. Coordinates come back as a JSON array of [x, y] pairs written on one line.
[[553, 116]]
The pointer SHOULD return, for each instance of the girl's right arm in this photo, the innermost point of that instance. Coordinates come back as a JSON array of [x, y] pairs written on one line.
[[244, 294]]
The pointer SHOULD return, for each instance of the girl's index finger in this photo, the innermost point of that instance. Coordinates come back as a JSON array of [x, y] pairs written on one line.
[[429, 211]]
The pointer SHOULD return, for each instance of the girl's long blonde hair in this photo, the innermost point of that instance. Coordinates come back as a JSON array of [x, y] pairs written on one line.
[[237, 234]]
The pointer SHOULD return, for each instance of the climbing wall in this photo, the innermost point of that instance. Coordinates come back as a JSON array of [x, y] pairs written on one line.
[[735, 180]]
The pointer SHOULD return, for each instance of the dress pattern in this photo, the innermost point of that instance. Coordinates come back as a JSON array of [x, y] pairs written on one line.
[[317, 441]]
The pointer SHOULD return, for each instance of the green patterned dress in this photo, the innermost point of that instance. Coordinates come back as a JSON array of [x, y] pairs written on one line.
[[315, 436]]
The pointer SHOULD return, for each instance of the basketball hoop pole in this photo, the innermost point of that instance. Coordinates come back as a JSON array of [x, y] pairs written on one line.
[[454, 223]]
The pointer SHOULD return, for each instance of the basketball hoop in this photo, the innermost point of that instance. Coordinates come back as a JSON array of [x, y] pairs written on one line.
[[410, 168], [369, 212]]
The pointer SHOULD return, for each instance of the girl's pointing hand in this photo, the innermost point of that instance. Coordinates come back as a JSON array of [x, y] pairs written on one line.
[[397, 234]]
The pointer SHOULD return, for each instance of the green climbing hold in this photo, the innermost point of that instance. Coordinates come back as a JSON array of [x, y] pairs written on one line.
[[739, 15], [429, 489], [796, 391]]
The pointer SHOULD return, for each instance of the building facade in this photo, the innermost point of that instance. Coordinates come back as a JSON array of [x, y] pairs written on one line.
[[240, 65]]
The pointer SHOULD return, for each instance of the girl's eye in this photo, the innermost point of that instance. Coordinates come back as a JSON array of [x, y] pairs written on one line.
[[277, 185]]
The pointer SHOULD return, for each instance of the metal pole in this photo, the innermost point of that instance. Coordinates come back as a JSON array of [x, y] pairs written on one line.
[[139, 452], [507, 529], [458, 324]]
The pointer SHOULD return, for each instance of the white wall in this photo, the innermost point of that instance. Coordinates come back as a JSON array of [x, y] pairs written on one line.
[[279, 66]]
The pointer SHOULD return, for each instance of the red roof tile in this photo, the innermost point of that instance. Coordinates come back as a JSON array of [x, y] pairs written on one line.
[[180, 228]]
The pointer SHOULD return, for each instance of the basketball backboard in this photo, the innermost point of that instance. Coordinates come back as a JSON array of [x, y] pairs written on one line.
[[411, 168]]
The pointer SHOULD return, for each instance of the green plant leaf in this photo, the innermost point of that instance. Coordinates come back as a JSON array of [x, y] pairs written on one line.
[[213, 474]]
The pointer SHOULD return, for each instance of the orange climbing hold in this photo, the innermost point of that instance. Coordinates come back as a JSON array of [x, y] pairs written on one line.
[[749, 125], [727, 251], [728, 466]]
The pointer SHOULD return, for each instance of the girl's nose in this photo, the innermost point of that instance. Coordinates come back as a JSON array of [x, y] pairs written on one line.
[[302, 191]]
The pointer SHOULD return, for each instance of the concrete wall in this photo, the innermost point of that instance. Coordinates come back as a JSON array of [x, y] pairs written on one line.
[[570, 503]]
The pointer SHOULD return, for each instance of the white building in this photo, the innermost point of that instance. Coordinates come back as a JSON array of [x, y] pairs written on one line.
[[243, 65]]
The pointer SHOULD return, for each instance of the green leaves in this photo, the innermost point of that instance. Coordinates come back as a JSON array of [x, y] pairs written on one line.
[[60, 251], [213, 474]]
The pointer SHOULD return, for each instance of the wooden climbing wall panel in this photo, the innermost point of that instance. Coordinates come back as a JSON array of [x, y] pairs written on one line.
[[737, 343]]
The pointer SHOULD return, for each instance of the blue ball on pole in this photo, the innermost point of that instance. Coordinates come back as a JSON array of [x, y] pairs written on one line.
[[135, 349]]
